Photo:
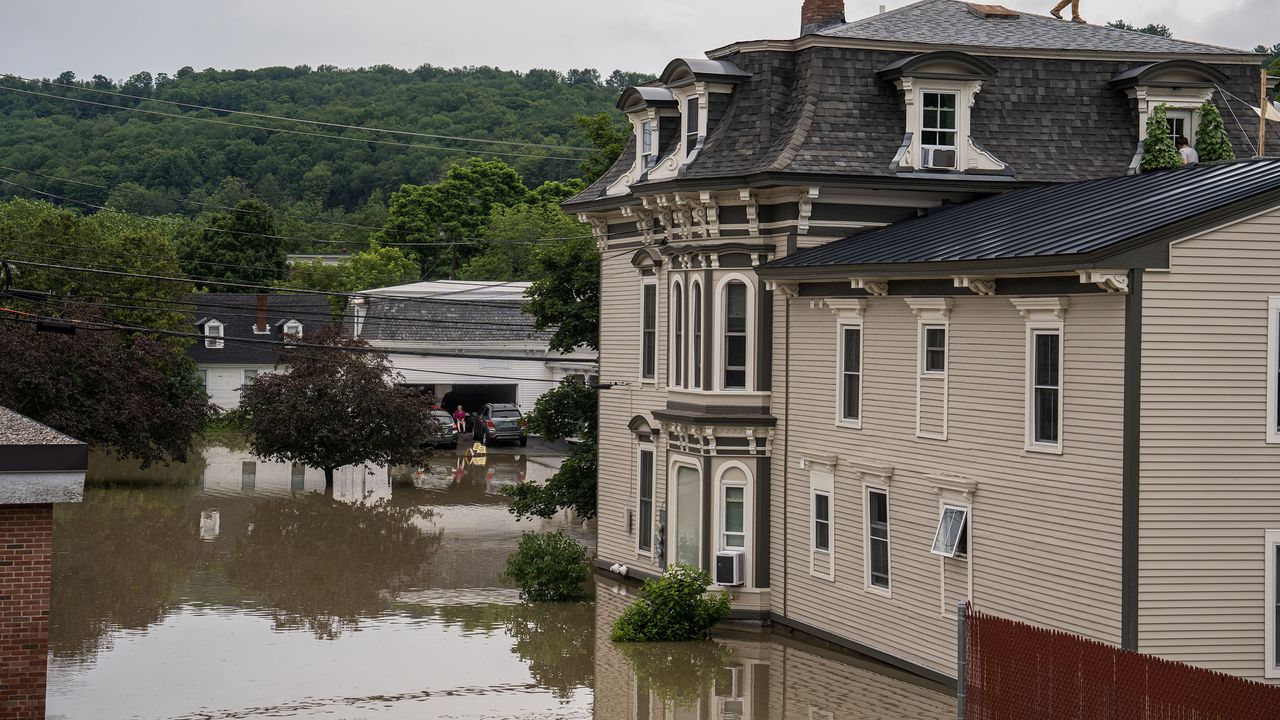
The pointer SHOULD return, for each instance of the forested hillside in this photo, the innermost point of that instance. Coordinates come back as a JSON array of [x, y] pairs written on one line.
[[131, 156]]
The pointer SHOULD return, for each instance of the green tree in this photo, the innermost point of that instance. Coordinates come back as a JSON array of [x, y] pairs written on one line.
[[377, 267], [1150, 29], [566, 295], [336, 406], [511, 253], [239, 246], [610, 138], [568, 411], [1212, 142], [1159, 152]]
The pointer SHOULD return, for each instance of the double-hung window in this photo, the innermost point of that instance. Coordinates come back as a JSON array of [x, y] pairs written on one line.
[[939, 129], [822, 520], [644, 539], [935, 349], [735, 335], [850, 374], [1046, 387], [1273, 370], [678, 338], [695, 306], [213, 332], [649, 331], [692, 122], [250, 375], [648, 145], [733, 520], [1271, 626], [952, 537], [877, 520]]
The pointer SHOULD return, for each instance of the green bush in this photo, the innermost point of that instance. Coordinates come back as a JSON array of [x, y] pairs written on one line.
[[1159, 152], [1211, 141], [673, 608], [549, 567]]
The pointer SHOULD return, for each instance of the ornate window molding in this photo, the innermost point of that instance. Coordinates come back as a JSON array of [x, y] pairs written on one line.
[[1044, 319]]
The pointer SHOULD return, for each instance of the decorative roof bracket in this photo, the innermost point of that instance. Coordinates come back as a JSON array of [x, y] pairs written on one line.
[[877, 288], [1112, 281], [977, 285]]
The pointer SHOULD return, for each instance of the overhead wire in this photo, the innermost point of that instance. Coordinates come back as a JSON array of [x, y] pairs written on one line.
[[287, 131], [318, 123]]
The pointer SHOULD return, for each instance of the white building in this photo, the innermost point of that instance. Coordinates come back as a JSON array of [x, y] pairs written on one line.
[[468, 343]]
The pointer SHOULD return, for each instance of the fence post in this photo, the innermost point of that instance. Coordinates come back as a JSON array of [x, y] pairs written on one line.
[[962, 660]]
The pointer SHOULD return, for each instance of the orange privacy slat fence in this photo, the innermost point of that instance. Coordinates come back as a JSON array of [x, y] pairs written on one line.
[[1020, 672]]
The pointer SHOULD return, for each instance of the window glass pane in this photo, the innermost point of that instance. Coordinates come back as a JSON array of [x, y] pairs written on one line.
[[677, 319], [852, 350], [935, 353], [695, 300], [736, 351], [850, 400], [878, 537], [736, 307], [1046, 419], [688, 528], [1047, 370], [950, 528], [735, 341], [646, 500], [650, 331], [646, 137], [691, 125], [821, 521], [734, 500]]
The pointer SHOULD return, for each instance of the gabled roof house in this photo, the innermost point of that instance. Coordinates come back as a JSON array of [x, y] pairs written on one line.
[[896, 322]]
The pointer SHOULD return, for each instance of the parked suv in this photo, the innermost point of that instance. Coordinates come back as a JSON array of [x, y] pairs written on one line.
[[443, 432], [500, 421]]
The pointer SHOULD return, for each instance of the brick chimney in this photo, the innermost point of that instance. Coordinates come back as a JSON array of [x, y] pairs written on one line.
[[817, 15], [260, 326]]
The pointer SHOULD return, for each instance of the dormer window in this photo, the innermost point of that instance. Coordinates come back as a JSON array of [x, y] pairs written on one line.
[[1182, 86], [648, 145], [213, 329], [692, 128], [938, 130], [293, 328]]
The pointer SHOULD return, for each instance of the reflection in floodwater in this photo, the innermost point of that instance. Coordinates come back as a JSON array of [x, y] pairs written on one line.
[[234, 588], [747, 676]]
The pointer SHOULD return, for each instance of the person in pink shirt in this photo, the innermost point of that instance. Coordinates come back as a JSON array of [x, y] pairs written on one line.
[[460, 419]]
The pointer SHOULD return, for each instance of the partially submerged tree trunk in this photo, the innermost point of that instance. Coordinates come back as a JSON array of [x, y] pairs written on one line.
[[328, 482]]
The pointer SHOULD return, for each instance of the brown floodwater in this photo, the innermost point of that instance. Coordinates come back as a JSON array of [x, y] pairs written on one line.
[[230, 588]]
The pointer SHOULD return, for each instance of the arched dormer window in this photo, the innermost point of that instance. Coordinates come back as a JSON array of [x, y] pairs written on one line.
[[735, 341], [214, 329], [696, 83], [1183, 86]]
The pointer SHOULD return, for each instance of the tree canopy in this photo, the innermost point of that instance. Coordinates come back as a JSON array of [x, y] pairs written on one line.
[[1156, 29]]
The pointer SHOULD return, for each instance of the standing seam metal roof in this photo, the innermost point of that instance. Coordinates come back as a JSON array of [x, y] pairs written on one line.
[[1056, 220]]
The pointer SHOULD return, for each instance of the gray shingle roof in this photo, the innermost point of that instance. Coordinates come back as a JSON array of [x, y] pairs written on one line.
[[237, 312], [18, 429], [948, 22], [1051, 221], [463, 324]]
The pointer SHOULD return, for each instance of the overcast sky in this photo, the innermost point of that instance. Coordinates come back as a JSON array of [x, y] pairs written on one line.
[[120, 37]]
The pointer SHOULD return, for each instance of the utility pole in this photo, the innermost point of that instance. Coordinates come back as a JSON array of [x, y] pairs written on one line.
[[453, 266], [1263, 106]]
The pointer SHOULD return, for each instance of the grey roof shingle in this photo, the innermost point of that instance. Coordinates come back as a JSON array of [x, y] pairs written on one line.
[[1074, 219], [948, 22], [18, 429], [465, 324], [236, 311]]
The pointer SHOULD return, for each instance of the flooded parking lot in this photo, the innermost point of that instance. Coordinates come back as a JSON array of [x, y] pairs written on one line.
[[234, 588]]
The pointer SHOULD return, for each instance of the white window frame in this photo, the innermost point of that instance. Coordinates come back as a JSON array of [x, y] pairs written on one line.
[[956, 131], [1033, 331], [648, 130], [1047, 314], [721, 322], [868, 541], [245, 376], [649, 282], [822, 481], [650, 551], [842, 415], [1273, 370], [677, 328], [925, 328], [747, 525], [673, 502], [955, 554], [293, 327], [698, 320], [932, 313], [1271, 632], [209, 328]]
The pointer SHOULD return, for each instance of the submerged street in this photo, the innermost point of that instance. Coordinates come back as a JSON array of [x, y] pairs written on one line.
[[233, 588]]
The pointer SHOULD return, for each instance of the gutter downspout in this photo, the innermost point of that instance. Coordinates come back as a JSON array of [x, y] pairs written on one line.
[[786, 453], [1131, 492]]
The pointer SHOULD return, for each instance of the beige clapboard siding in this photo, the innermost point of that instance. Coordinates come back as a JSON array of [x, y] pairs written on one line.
[[1045, 537], [1210, 483]]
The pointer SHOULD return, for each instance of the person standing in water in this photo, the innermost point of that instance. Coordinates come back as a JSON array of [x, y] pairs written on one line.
[[1075, 11]]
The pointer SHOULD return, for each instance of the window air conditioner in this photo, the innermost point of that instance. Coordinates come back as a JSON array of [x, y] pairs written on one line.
[[729, 568], [939, 158]]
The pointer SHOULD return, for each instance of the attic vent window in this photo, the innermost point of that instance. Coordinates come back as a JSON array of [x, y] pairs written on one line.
[[993, 12]]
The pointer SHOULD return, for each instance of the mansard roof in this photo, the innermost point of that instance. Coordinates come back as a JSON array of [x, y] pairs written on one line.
[[1095, 223], [950, 23], [646, 96]]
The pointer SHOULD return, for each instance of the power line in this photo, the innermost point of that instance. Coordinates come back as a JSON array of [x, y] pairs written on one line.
[[318, 123], [286, 131]]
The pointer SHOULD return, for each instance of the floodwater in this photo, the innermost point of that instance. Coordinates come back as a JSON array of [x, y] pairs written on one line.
[[230, 588]]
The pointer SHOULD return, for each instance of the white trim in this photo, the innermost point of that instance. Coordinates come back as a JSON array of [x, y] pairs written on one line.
[[1045, 314], [843, 324], [674, 463], [293, 324], [721, 318], [675, 348], [1273, 368], [657, 310], [748, 527], [867, 489], [932, 313], [968, 155], [822, 482], [1271, 633], [221, 333], [653, 500], [696, 370]]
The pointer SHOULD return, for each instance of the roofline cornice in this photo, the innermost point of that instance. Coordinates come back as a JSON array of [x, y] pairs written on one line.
[[817, 41]]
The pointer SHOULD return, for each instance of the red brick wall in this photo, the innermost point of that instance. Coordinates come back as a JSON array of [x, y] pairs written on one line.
[[26, 554], [821, 13]]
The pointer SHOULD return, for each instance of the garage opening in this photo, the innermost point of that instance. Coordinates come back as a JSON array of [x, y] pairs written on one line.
[[474, 397]]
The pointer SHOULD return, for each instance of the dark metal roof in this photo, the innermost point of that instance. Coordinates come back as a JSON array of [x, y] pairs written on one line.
[[237, 313], [464, 324], [702, 69], [948, 22], [1074, 219]]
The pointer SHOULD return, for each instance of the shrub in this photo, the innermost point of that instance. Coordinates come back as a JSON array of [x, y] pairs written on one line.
[[673, 608], [1211, 142], [1158, 151], [549, 567]]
